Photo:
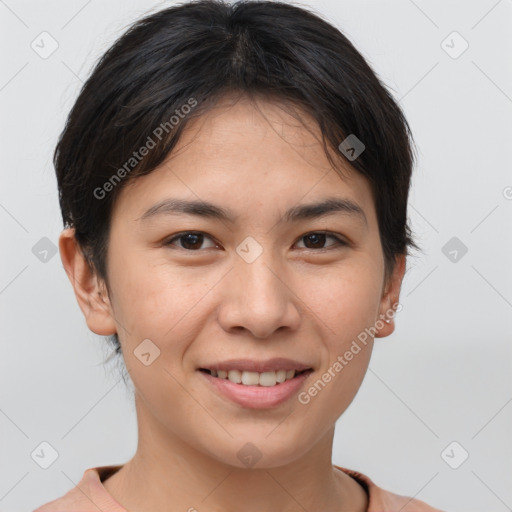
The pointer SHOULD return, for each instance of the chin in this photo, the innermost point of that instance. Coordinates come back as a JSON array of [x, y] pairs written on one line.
[[263, 448]]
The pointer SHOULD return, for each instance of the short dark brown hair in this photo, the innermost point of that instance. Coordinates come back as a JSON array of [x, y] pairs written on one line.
[[174, 64]]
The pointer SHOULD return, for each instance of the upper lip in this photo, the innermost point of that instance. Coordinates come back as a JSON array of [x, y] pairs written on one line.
[[249, 365]]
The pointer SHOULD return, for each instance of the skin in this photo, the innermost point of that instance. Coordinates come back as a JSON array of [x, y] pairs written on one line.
[[297, 300]]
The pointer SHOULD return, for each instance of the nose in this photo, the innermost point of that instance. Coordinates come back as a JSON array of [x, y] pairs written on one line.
[[258, 299]]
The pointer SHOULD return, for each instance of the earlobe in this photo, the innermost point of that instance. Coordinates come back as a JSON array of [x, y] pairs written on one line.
[[92, 299], [385, 322]]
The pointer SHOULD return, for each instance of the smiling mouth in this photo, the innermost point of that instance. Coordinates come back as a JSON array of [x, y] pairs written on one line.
[[249, 378]]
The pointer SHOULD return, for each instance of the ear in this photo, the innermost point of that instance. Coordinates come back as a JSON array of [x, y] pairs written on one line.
[[390, 298], [90, 293]]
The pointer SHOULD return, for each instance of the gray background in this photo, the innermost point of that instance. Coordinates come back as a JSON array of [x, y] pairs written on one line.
[[445, 374]]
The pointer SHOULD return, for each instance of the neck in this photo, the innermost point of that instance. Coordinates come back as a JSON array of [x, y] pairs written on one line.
[[166, 475]]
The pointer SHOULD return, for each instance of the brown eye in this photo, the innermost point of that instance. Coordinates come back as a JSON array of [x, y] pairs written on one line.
[[190, 241], [317, 240]]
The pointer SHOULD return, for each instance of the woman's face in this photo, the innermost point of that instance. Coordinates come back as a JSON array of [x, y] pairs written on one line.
[[264, 289]]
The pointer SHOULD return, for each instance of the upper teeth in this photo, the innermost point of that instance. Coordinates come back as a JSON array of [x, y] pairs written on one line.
[[255, 378]]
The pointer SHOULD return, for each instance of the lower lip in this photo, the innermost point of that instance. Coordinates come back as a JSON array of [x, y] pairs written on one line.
[[257, 397]]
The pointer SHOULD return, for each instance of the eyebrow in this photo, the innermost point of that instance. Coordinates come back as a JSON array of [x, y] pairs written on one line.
[[329, 206]]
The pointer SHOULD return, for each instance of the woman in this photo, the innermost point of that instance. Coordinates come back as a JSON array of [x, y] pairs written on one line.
[[233, 182]]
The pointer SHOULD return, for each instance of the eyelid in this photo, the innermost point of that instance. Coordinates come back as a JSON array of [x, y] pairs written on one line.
[[177, 236], [341, 241], [340, 244]]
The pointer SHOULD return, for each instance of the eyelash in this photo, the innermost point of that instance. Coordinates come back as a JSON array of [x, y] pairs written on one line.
[[341, 242]]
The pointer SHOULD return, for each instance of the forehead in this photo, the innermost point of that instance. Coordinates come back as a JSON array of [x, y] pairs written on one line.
[[251, 154]]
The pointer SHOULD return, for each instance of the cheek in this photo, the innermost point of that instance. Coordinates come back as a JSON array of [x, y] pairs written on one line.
[[344, 300], [346, 310], [160, 302], [345, 304], [160, 305]]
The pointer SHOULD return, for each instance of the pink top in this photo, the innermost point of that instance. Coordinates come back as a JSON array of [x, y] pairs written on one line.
[[90, 494]]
